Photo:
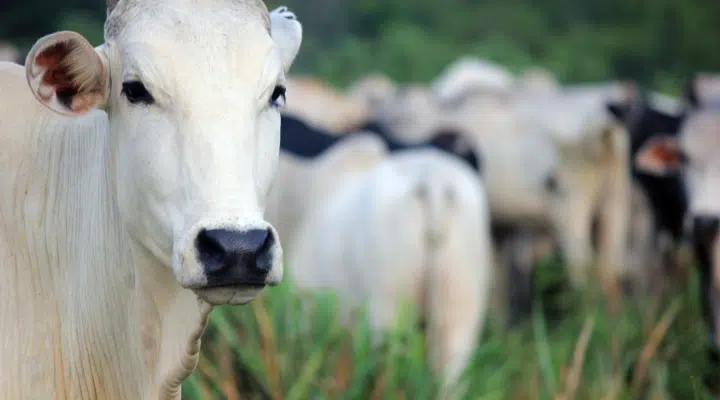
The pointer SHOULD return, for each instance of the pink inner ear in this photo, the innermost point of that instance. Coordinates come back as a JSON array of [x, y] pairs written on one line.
[[56, 74], [51, 56]]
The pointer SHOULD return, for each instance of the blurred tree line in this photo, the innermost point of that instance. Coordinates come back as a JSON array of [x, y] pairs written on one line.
[[657, 42]]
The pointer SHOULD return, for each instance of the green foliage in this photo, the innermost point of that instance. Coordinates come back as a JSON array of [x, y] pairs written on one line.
[[658, 42], [291, 346]]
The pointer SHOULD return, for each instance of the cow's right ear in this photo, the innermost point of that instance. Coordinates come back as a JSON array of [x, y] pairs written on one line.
[[660, 156], [67, 74]]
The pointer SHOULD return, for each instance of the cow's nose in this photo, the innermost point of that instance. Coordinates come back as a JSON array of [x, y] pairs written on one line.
[[705, 227], [235, 257]]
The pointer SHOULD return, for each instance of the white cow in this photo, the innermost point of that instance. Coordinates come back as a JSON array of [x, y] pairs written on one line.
[[593, 176], [416, 227], [134, 178]]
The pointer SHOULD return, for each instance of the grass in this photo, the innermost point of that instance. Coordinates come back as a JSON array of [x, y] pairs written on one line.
[[276, 348]]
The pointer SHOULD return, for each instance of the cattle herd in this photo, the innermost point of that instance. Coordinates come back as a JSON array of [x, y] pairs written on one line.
[[138, 192], [619, 181]]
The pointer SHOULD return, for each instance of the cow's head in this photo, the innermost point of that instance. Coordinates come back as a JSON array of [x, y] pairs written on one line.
[[192, 91]]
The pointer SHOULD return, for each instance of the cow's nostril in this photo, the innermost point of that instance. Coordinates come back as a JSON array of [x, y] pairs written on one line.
[[210, 251]]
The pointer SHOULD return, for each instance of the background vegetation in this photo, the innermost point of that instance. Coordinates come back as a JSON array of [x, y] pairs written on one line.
[[653, 349], [657, 42]]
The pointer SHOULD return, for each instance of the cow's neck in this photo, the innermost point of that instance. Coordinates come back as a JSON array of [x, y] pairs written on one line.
[[172, 322]]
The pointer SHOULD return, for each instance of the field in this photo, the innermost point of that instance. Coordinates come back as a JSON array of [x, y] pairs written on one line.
[[653, 349]]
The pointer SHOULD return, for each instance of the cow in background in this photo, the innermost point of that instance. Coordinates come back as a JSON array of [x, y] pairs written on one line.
[[692, 156], [414, 227], [647, 115]]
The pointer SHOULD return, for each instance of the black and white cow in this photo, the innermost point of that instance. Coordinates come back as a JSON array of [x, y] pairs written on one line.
[[646, 116], [691, 155]]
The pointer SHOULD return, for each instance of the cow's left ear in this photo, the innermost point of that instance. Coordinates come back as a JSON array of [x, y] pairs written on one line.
[[660, 156], [287, 32], [67, 74]]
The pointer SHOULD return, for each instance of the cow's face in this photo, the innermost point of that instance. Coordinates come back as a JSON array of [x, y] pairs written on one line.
[[193, 92]]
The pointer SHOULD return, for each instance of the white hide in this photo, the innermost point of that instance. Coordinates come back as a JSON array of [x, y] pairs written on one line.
[[102, 197], [415, 227], [300, 184]]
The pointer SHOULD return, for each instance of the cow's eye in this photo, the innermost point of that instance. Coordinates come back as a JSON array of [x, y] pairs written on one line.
[[277, 95], [135, 92]]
